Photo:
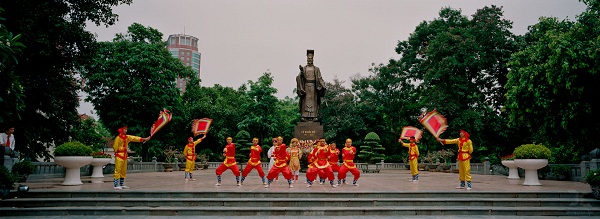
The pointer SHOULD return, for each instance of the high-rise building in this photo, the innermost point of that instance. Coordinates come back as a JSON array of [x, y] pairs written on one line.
[[185, 48]]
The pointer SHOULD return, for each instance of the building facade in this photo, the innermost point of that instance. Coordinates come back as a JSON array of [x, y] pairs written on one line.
[[185, 48]]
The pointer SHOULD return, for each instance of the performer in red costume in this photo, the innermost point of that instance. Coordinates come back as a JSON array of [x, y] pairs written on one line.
[[348, 154], [254, 162], [228, 163], [465, 149], [281, 164], [190, 156], [322, 154], [334, 158]]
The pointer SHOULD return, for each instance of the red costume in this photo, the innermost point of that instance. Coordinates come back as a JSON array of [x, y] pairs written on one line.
[[321, 163], [348, 154], [254, 162], [334, 159], [228, 163]]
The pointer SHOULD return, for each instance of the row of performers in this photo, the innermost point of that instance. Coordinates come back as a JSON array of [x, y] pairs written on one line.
[[323, 161]]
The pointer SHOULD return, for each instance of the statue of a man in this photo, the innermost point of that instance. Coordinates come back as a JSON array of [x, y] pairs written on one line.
[[310, 89]]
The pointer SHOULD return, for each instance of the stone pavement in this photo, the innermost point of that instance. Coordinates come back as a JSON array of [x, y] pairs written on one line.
[[386, 180]]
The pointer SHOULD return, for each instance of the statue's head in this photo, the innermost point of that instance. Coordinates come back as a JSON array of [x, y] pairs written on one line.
[[309, 56]]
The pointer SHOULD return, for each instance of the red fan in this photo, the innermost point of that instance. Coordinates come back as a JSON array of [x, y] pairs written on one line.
[[201, 126], [163, 118], [434, 122], [409, 131]]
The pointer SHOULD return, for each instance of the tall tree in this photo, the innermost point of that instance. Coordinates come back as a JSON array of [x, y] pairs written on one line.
[[552, 84], [261, 109], [11, 93], [131, 79], [57, 44]]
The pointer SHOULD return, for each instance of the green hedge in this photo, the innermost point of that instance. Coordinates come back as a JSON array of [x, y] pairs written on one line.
[[532, 151], [73, 148]]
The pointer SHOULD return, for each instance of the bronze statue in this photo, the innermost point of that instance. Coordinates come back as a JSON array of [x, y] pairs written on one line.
[[310, 88]]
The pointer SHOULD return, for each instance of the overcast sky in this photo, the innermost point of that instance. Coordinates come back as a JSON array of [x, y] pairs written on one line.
[[241, 39]]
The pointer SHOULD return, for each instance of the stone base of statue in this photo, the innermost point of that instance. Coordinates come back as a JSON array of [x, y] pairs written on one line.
[[308, 130]]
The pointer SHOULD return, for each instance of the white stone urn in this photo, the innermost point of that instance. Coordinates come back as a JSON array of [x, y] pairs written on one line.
[[513, 171], [72, 164], [98, 164], [531, 166]]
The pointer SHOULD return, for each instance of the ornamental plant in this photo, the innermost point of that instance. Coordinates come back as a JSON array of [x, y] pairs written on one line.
[[23, 168], [73, 148], [100, 154], [532, 151], [593, 178], [508, 157]]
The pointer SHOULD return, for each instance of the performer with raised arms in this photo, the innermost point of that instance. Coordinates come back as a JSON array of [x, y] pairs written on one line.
[[413, 155], [254, 162], [348, 154], [190, 156]]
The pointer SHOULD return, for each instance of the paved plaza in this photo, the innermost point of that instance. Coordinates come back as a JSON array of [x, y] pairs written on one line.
[[386, 180]]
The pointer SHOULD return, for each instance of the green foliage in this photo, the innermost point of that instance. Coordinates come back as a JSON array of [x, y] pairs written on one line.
[[73, 148], [553, 82], [532, 151], [593, 178], [7, 179], [23, 168], [210, 156], [90, 132], [371, 151], [242, 144], [57, 46], [100, 154], [131, 79], [561, 169], [395, 158], [11, 91]]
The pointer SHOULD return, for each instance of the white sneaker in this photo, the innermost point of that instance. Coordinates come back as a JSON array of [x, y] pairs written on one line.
[[308, 186], [125, 187], [186, 179], [193, 179], [416, 180], [264, 183], [117, 188], [218, 184], [291, 186], [239, 184], [460, 187], [469, 188], [334, 185], [267, 186], [355, 184]]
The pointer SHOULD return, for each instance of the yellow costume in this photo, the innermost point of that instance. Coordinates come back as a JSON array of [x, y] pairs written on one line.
[[413, 155], [190, 156], [465, 149], [120, 147]]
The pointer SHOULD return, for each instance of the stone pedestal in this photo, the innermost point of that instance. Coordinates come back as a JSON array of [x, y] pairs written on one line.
[[308, 131]]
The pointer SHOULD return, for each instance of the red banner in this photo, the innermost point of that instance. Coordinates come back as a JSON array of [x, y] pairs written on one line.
[[434, 122], [163, 118], [409, 131], [201, 126]]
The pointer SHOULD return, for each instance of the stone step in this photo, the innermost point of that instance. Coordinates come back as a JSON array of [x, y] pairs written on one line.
[[302, 211], [455, 194], [298, 202]]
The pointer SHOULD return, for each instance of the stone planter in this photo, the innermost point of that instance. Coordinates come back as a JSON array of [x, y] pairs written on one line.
[[98, 164], [168, 167], [531, 166], [513, 171], [445, 167], [73, 165]]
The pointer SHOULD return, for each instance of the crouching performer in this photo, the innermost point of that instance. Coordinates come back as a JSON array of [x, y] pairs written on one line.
[[322, 154], [348, 154], [280, 164], [254, 162]]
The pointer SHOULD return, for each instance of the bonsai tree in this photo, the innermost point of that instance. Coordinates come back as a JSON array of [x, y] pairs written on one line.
[[242, 144], [532, 151], [170, 154], [73, 148], [23, 169], [371, 151]]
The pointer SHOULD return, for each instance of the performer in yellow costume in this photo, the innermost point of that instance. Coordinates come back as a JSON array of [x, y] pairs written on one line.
[[190, 156], [120, 147], [413, 155], [295, 155], [465, 149]]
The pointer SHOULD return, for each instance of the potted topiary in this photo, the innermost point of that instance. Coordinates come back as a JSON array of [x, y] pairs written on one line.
[[532, 157], [72, 155], [7, 181], [100, 159], [23, 169], [509, 161], [593, 179], [561, 171]]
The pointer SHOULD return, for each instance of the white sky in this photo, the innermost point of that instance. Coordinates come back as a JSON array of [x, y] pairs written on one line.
[[241, 39]]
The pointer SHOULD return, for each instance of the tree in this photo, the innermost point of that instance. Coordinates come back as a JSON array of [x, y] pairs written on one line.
[[91, 133], [261, 109], [243, 142], [552, 84], [57, 44], [131, 79], [340, 113], [371, 151], [11, 95]]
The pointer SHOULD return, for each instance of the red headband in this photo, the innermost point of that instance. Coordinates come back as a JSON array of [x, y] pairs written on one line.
[[121, 129], [190, 139], [465, 133]]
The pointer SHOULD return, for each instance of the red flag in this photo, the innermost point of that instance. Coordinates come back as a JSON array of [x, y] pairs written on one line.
[[434, 122], [163, 118], [201, 126], [409, 131]]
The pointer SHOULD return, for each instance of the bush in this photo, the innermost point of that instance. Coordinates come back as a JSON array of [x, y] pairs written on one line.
[[593, 178], [7, 179], [73, 148], [100, 154], [23, 168], [532, 151], [396, 158], [561, 169]]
